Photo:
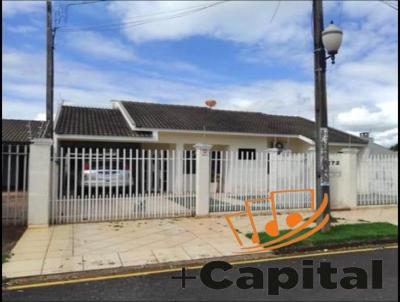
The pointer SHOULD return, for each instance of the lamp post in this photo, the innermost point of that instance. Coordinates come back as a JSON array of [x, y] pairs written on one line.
[[331, 38]]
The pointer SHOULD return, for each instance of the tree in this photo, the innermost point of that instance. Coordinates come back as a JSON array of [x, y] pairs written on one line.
[[395, 147]]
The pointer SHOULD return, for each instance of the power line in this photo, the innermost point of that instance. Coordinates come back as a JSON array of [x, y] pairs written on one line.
[[113, 26], [146, 15], [275, 12], [67, 6], [389, 4], [146, 19]]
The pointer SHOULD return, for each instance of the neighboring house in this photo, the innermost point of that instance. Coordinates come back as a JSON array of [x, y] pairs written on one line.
[[16, 135], [20, 132], [140, 125], [373, 148]]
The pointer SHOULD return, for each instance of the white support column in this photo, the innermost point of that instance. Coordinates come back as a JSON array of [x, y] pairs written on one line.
[[347, 184], [179, 168], [202, 179], [311, 171], [39, 181], [273, 169]]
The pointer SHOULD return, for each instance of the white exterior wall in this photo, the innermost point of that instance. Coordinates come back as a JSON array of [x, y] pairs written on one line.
[[224, 142], [39, 183], [232, 142]]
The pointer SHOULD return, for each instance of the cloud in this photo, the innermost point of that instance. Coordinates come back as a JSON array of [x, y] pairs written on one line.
[[40, 116], [14, 7], [22, 29], [349, 108], [21, 66], [361, 87], [100, 46], [387, 138], [225, 21], [21, 108], [383, 118]]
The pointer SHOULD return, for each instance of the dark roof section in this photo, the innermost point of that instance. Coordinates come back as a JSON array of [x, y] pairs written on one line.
[[94, 121], [179, 117], [20, 131]]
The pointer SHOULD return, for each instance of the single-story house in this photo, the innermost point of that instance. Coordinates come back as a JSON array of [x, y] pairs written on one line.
[[142, 125], [20, 132], [16, 136], [373, 148], [90, 166]]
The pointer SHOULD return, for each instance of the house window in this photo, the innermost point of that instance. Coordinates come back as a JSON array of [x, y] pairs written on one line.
[[215, 165], [190, 162], [247, 154]]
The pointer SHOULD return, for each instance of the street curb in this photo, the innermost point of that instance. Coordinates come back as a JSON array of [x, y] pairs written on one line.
[[121, 272], [133, 269]]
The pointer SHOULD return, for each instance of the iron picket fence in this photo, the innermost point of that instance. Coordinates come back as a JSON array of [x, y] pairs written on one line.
[[14, 205], [236, 177], [93, 184], [377, 180]]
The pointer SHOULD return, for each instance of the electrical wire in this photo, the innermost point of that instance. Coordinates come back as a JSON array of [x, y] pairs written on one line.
[[389, 4], [114, 26], [146, 19], [68, 5], [84, 2], [275, 12]]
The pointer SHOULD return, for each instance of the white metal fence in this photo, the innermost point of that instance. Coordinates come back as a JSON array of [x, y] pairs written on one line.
[[121, 184], [377, 180], [14, 204], [237, 176]]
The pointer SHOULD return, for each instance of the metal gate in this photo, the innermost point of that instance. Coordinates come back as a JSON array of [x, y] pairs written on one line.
[[14, 204], [93, 184], [246, 174]]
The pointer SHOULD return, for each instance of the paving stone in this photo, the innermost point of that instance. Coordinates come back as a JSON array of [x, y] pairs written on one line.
[[62, 265], [141, 257], [140, 242], [100, 261], [171, 254]]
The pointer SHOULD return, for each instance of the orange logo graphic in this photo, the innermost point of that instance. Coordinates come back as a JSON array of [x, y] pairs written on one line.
[[293, 221]]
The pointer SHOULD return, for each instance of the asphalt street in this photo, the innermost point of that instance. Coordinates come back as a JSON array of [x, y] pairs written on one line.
[[163, 287]]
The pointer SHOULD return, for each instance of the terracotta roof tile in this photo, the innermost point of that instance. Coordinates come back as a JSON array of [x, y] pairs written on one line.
[[94, 121], [20, 131], [179, 117]]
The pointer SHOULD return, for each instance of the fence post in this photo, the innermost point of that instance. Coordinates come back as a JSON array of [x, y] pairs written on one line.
[[347, 185], [39, 183], [202, 179], [273, 169], [179, 169], [311, 171]]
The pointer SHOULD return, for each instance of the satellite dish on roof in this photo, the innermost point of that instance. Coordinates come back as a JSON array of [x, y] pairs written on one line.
[[211, 103]]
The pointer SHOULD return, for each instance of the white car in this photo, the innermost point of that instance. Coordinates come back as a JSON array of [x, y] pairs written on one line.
[[104, 176]]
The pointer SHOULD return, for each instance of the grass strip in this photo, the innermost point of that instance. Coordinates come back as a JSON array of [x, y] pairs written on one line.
[[340, 235]]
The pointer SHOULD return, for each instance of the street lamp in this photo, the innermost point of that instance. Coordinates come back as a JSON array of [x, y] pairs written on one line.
[[332, 39]]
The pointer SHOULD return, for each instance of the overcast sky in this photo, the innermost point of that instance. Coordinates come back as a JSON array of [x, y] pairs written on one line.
[[253, 56]]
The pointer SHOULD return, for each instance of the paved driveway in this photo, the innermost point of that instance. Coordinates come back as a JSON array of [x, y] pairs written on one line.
[[92, 246]]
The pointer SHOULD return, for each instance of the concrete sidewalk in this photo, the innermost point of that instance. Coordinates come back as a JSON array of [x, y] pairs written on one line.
[[93, 246]]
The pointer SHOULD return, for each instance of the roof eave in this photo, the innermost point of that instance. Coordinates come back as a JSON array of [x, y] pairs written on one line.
[[106, 138]]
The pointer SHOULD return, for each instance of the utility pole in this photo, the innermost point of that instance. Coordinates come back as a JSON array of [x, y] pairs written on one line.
[[50, 70], [321, 115]]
